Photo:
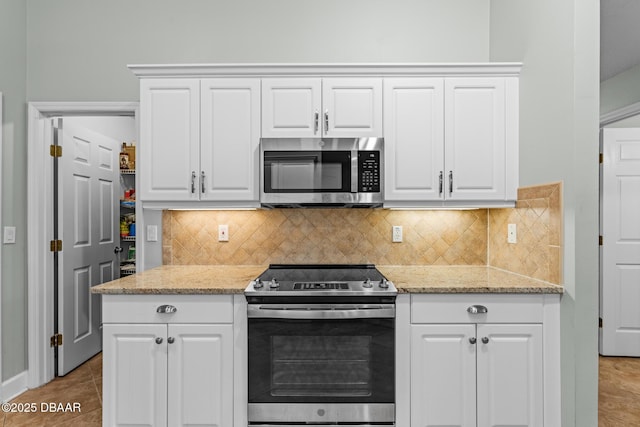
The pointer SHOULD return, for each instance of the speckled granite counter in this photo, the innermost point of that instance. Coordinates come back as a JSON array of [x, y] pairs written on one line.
[[185, 279], [463, 279], [232, 279]]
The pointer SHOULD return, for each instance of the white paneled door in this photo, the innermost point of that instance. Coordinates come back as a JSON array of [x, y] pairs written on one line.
[[88, 217], [620, 252]]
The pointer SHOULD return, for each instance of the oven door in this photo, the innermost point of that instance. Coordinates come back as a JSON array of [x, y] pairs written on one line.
[[321, 363]]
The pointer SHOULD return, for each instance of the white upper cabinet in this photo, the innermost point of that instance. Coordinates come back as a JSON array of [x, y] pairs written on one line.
[[475, 138], [230, 137], [170, 138], [451, 141], [451, 131], [199, 140], [414, 135], [315, 107]]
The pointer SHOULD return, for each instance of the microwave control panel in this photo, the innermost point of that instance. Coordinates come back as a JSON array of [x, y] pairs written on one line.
[[368, 171]]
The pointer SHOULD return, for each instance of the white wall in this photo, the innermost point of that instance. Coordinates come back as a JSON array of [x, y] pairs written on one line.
[[78, 49], [14, 177], [620, 91], [559, 45]]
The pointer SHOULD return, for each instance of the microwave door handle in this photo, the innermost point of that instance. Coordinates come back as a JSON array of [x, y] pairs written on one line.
[[354, 171]]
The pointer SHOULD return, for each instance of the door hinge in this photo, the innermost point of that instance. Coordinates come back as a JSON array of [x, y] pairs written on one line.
[[56, 245], [600, 322], [601, 158], [600, 240], [56, 340], [55, 150]]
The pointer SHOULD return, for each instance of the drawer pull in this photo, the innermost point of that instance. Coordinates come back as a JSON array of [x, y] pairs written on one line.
[[477, 309], [167, 309]]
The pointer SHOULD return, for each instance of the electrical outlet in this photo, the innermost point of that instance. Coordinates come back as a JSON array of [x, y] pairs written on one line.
[[396, 233], [223, 233], [511, 233]]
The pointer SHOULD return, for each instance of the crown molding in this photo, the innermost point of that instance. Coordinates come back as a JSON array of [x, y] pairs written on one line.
[[504, 69]]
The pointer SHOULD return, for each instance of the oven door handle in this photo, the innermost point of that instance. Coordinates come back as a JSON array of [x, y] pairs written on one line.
[[380, 311]]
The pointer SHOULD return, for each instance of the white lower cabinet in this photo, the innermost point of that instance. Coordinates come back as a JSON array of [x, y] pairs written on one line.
[[480, 369], [166, 373]]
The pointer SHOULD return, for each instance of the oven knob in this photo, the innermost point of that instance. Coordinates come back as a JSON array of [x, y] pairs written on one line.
[[367, 284], [384, 283], [274, 284], [257, 284]]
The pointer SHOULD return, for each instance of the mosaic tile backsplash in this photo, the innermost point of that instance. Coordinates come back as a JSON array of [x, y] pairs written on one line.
[[469, 237]]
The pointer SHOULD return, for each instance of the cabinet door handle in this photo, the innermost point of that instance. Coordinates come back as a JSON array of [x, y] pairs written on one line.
[[166, 308], [440, 180], [472, 340], [316, 122], [193, 182], [485, 340], [326, 121], [117, 250], [171, 340], [202, 179], [158, 340], [477, 309], [450, 182]]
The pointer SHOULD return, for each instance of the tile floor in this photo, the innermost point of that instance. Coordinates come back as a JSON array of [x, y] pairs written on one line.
[[82, 386], [619, 396]]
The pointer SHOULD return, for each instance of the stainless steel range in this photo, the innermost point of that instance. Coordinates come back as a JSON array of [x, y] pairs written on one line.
[[321, 346]]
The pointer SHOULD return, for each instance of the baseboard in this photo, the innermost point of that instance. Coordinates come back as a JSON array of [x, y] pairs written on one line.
[[14, 387]]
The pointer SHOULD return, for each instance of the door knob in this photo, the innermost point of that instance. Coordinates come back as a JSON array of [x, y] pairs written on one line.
[[171, 340], [472, 340], [485, 340], [159, 340]]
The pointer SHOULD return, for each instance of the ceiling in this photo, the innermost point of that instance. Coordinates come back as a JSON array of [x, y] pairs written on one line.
[[619, 36]]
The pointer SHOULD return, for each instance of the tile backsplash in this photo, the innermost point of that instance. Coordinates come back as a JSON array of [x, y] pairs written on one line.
[[538, 219], [326, 236], [467, 237]]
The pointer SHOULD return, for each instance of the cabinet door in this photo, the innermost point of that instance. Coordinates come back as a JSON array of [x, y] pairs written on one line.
[[230, 136], [169, 138], [414, 134], [352, 107], [200, 375], [475, 142], [134, 375], [291, 108], [510, 375], [443, 376]]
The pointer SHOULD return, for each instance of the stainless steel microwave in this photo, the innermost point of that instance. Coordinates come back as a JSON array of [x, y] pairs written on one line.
[[327, 172]]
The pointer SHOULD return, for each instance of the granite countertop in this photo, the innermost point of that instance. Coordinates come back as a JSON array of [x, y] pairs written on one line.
[[463, 279], [185, 279], [233, 279]]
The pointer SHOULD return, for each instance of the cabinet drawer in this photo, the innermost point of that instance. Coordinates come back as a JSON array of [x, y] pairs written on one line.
[[452, 308], [189, 308]]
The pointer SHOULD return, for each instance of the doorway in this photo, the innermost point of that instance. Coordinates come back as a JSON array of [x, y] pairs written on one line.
[[620, 241], [41, 206]]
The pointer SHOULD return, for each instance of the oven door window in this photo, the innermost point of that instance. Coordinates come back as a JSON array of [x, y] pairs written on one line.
[[321, 360], [307, 171]]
